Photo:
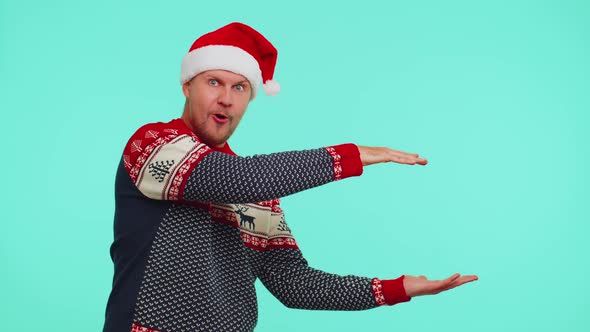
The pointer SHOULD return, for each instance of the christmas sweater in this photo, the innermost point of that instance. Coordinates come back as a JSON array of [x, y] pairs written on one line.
[[195, 226]]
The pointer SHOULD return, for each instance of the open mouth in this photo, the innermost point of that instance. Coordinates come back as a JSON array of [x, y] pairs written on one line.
[[220, 117]]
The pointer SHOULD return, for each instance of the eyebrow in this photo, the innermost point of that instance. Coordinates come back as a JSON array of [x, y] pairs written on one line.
[[244, 83], [209, 76]]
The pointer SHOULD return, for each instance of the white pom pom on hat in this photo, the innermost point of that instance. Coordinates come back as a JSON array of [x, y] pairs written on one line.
[[271, 88], [238, 48]]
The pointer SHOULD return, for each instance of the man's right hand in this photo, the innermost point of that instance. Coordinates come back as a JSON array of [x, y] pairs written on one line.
[[374, 155]]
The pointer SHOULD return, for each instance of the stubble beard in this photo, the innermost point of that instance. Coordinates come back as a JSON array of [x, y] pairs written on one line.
[[200, 129]]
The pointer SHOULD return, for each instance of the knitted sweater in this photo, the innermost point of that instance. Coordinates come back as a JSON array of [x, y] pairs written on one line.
[[195, 227]]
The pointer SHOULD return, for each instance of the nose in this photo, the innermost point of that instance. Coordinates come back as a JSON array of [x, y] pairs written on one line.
[[225, 97]]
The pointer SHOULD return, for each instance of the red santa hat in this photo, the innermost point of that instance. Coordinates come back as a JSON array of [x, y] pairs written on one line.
[[238, 48]]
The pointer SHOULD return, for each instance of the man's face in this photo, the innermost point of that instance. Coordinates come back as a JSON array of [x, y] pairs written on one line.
[[216, 102]]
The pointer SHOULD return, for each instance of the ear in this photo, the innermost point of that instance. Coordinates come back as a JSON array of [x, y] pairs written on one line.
[[185, 89]]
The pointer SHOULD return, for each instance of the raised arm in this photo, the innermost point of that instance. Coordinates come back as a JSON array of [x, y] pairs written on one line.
[[224, 178], [168, 162]]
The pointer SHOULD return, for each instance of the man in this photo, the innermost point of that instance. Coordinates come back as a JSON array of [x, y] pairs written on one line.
[[196, 225]]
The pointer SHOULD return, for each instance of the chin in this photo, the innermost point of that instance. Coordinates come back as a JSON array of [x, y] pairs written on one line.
[[213, 142]]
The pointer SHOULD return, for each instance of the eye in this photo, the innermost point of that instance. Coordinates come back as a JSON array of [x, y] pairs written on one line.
[[213, 82], [240, 87]]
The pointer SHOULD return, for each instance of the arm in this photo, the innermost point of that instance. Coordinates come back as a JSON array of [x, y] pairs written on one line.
[[286, 274], [167, 162], [289, 278], [224, 178]]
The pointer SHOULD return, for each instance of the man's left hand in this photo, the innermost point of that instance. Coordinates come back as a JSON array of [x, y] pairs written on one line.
[[417, 286]]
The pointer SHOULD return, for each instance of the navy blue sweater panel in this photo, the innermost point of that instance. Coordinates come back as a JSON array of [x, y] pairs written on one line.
[[136, 222]]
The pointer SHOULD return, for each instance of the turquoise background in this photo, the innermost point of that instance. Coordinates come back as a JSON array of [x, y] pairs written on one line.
[[495, 94]]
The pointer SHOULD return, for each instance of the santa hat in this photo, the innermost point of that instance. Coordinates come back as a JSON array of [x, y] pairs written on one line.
[[238, 48]]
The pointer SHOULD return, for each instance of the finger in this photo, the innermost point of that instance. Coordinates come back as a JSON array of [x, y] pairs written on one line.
[[415, 157], [403, 154], [466, 279], [453, 277], [449, 281], [406, 154], [407, 158], [401, 157], [401, 160], [422, 161], [461, 281], [437, 286]]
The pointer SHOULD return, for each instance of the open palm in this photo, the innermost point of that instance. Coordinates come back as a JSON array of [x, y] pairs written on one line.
[[417, 286]]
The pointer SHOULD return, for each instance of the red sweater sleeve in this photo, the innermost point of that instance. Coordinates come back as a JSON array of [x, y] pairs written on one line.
[[346, 159], [390, 291]]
